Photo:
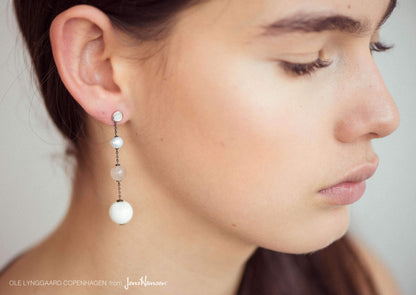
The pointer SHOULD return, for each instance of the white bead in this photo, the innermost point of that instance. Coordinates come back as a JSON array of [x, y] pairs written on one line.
[[121, 212], [118, 173], [117, 116], [116, 142]]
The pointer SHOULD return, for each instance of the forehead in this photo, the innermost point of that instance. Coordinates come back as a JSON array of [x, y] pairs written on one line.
[[246, 18]]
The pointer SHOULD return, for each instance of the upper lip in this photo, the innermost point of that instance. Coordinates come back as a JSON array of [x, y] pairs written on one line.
[[360, 173]]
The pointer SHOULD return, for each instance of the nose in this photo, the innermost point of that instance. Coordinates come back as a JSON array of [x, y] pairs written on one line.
[[367, 108]]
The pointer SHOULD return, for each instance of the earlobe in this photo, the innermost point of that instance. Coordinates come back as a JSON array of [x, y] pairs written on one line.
[[81, 40]]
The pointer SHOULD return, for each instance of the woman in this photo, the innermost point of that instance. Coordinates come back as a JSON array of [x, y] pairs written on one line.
[[246, 128]]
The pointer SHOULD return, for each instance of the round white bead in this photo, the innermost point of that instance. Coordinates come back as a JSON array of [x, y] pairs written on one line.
[[116, 142], [118, 173], [117, 116], [121, 212]]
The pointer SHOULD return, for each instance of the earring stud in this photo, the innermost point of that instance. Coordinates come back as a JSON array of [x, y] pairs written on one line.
[[120, 211]]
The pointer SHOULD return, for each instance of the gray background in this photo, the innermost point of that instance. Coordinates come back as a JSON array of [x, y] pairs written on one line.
[[35, 177]]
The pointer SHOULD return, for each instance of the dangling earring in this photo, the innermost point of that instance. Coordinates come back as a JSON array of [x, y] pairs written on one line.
[[120, 211]]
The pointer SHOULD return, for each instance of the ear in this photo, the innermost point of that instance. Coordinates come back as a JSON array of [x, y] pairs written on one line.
[[84, 46]]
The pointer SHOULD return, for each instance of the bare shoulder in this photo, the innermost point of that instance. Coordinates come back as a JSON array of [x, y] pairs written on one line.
[[384, 279], [6, 274], [18, 269]]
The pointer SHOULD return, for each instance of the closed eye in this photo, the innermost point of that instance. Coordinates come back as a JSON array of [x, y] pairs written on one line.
[[309, 68], [380, 47], [304, 69]]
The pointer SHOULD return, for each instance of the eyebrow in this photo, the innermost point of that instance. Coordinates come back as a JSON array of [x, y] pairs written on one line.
[[310, 22]]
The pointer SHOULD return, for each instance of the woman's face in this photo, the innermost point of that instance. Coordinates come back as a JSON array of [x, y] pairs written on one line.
[[246, 144]]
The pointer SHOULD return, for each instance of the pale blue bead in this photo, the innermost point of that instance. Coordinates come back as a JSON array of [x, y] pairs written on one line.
[[116, 142]]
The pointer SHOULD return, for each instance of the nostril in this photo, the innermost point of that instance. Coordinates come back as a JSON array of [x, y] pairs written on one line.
[[372, 135]]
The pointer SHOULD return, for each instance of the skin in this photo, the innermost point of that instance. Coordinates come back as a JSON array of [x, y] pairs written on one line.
[[219, 161]]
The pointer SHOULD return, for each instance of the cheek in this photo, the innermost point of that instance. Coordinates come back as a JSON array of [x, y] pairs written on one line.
[[241, 151]]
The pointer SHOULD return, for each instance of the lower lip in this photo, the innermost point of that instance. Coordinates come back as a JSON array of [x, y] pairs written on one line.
[[344, 193]]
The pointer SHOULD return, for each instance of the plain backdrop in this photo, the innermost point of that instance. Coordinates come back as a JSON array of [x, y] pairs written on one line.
[[35, 182]]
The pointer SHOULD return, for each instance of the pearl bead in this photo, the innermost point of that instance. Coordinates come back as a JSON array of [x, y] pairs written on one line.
[[118, 173], [116, 142], [117, 116], [121, 212]]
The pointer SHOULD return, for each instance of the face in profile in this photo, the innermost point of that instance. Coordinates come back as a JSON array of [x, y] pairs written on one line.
[[253, 107]]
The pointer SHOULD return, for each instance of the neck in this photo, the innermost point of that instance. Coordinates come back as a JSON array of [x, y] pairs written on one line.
[[165, 243]]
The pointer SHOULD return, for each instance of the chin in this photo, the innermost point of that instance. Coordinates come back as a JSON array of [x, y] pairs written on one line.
[[333, 229], [314, 236]]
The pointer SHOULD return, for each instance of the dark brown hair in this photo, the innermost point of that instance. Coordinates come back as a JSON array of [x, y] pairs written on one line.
[[336, 269]]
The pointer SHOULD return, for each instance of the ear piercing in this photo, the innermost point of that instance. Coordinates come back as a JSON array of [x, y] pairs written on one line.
[[120, 211]]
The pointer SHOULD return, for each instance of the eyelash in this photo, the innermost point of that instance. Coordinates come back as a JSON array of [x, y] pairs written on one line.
[[309, 68], [304, 69], [380, 47]]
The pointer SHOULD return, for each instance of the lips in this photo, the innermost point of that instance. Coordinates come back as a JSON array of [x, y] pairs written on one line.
[[357, 174]]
